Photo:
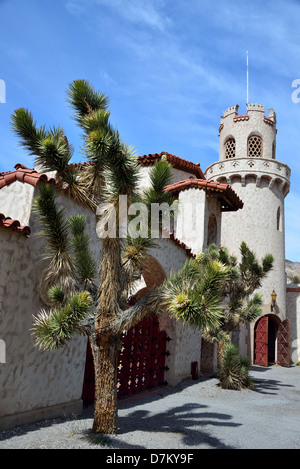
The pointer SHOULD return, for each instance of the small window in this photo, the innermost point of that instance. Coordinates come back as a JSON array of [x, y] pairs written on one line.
[[273, 151], [255, 146], [279, 224], [230, 148]]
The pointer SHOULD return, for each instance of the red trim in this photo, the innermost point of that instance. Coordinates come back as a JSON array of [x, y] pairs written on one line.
[[241, 116]]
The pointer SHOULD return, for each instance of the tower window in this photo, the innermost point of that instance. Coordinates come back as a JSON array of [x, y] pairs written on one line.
[[273, 151], [279, 220], [254, 146], [230, 148]]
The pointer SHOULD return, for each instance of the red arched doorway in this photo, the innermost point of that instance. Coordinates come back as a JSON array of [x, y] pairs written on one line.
[[141, 363], [272, 341]]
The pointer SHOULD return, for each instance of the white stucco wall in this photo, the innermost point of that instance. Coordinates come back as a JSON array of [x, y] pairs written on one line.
[[16, 201], [33, 384], [178, 175], [293, 314], [185, 344], [256, 224]]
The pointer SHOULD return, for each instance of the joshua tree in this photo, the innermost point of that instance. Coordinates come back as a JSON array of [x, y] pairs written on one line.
[[77, 301], [240, 305]]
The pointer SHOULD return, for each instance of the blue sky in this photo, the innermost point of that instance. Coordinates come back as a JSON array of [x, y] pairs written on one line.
[[170, 68]]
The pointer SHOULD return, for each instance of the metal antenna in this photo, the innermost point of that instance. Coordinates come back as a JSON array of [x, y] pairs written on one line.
[[247, 79]]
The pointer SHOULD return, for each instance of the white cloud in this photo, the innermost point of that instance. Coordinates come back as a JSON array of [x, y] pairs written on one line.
[[75, 8], [140, 12]]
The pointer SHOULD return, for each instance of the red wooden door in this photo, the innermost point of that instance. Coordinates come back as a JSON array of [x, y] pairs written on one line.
[[261, 342], [283, 343], [141, 363], [142, 358]]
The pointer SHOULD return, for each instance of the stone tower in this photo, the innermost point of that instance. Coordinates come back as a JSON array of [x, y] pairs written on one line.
[[247, 161]]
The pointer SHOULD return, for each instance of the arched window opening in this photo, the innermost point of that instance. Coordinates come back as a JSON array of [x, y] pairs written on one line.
[[230, 148], [255, 147]]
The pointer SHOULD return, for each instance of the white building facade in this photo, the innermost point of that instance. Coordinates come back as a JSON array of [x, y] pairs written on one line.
[[239, 198]]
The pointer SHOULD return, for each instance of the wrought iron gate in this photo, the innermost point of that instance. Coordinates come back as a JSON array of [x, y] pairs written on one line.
[[141, 363]]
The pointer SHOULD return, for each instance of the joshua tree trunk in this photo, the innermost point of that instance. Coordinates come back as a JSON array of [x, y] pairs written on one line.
[[105, 362], [106, 345]]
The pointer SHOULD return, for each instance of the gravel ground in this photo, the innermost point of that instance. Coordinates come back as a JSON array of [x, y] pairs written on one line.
[[193, 415]]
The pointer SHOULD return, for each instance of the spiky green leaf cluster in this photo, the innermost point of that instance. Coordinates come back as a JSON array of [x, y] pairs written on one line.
[[241, 304], [194, 294], [160, 176], [234, 369], [85, 264], [52, 220], [102, 144], [84, 99], [51, 147], [52, 330], [252, 271]]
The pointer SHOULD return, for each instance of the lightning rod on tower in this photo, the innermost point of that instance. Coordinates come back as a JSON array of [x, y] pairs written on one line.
[[247, 79]]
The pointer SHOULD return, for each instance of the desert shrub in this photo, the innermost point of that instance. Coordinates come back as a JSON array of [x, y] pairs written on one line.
[[234, 369]]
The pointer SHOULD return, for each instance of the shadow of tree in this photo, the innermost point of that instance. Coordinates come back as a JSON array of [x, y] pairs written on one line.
[[188, 422], [266, 386]]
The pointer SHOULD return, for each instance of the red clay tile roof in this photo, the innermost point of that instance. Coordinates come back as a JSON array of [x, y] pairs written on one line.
[[182, 245], [268, 120], [176, 161], [14, 225], [241, 117], [230, 200], [179, 243], [24, 174]]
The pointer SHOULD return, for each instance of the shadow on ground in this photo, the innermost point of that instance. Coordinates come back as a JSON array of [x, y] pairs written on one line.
[[266, 386], [187, 422]]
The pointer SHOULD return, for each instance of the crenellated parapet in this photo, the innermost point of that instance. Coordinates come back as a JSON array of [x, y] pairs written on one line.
[[247, 135]]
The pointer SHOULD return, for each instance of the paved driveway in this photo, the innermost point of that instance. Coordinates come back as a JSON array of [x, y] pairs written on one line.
[[200, 415], [195, 414]]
